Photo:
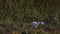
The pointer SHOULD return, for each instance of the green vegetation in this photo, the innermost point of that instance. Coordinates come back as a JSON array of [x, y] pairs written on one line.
[[17, 15]]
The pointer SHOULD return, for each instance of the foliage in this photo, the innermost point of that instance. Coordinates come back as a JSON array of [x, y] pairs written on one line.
[[19, 12]]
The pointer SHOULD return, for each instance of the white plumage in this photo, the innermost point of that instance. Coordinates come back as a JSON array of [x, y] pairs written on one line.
[[36, 24]]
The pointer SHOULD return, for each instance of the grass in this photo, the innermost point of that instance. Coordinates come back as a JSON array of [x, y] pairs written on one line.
[[20, 14]]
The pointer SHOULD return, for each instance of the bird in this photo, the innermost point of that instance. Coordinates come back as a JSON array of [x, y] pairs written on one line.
[[36, 24]]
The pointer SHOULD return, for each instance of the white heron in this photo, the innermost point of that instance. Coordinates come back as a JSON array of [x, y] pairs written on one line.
[[36, 24]]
